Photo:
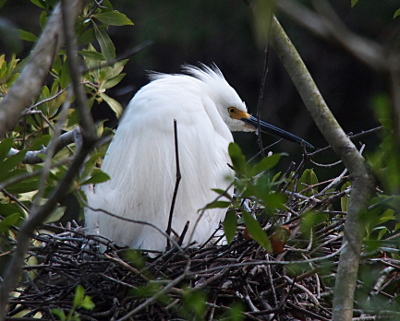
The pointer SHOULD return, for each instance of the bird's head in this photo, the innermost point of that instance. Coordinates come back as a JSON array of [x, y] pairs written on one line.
[[232, 109]]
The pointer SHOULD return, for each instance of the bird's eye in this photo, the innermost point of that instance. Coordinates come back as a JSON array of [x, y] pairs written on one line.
[[232, 110]]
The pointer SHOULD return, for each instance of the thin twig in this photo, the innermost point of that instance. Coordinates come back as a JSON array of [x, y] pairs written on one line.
[[177, 181], [158, 294]]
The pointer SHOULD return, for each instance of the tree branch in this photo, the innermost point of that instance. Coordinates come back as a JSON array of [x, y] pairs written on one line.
[[16, 103], [362, 180], [86, 121], [29, 84], [36, 217], [33, 157], [327, 25]]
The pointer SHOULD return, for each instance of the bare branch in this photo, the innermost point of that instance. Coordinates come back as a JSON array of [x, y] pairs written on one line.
[[328, 26], [86, 121], [177, 181], [33, 157], [50, 152], [362, 180]]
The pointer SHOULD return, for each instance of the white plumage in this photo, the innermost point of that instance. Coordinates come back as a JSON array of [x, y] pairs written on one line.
[[142, 166]]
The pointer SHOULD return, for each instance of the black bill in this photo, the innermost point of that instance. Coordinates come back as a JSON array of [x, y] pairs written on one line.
[[270, 129]]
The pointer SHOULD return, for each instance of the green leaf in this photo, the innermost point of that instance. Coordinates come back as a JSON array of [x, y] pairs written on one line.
[[87, 303], [387, 215], [396, 14], [382, 231], [308, 178], [90, 165], [12, 162], [114, 18], [195, 302], [40, 142], [55, 215], [218, 204], [148, 290], [353, 2], [275, 178], [39, 3], [136, 258], [106, 45], [98, 176], [238, 159], [87, 37], [235, 312], [43, 19], [59, 313], [274, 201], [344, 201], [222, 192], [27, 185], [7, 222], [230, 225], [265, 164], [106, 6], [79, 294], [92, 55], [65, 76], [114, 105], [5, 147], [256, 232], [109, 83], [27, 36], [114, 70], [8, 209]]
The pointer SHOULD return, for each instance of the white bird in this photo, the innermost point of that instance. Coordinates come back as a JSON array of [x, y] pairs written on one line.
[[142, 164]]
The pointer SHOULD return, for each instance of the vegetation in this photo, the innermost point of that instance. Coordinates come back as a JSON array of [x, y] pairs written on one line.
[[289, 235]]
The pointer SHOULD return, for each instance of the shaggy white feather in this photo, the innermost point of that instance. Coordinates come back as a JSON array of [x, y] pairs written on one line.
[[141, 159]]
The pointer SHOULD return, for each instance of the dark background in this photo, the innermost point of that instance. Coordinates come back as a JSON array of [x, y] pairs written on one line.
[[221, 31]]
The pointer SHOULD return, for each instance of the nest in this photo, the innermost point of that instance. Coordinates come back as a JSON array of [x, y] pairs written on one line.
[[231, 282], [236, 276]]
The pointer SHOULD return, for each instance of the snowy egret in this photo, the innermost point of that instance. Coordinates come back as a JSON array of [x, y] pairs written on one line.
[[142, 164]]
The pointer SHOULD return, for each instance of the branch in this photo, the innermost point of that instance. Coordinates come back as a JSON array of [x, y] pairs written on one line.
[[362, 180], [86, 121], [178, 178], [327, 25], [14, 269], [33, 157], [50, 153], [29, 84]]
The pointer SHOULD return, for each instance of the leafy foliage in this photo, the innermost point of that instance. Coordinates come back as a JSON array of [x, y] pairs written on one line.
[[19, 181], [253, 183], [277, 213]]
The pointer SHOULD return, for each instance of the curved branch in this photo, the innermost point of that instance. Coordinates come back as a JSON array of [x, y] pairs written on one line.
[[361, 179], [33, 157]]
